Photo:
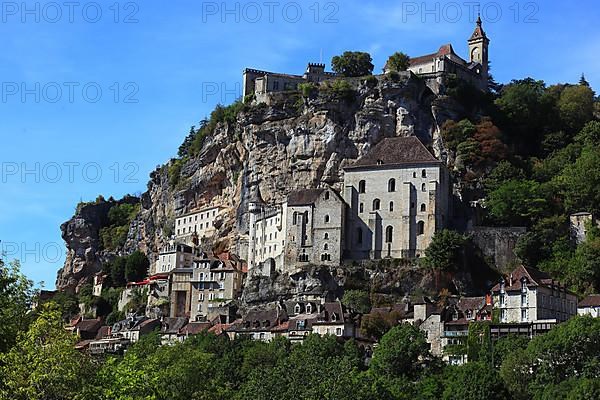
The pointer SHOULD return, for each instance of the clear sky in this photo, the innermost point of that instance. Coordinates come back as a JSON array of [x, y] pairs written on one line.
[[95, 95]]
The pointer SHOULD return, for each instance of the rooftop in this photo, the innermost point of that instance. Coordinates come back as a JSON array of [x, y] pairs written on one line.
[[395, 151], [593, 300]]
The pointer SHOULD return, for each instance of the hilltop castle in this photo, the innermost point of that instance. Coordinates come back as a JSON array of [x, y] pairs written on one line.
[[431, 67]]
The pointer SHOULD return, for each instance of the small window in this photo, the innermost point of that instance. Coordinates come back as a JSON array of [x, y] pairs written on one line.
[[423, 188], [362, 185], [389, 234], [424, 174], [392, 185], [326, 195], [326, 247], [414, 174], [423, 207], [391, 206], [327, 219], [361, 208], [420, 228], [326, 237], [379, 162], [376, 204]]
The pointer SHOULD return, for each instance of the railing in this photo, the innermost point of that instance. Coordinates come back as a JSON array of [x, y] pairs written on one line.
[[455, 333]]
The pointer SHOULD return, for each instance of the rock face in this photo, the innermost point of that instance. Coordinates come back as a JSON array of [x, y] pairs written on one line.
[[81, 235], [294, 143]]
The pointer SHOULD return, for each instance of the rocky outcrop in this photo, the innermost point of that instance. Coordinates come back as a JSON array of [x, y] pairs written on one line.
[[293, 143], [82, 237]]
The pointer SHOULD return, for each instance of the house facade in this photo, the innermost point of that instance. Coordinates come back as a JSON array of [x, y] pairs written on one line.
[[590, 306], [530, 295]]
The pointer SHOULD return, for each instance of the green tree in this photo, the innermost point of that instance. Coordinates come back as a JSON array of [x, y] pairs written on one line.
[[398, 62], [136, 266], [570, 350], [15, 300], [403, 351], [358, 300], [117, 270], [473, 381], [578, 182], [517, 202], [44, 363], [446, 251], [576, 107], [353, 63]]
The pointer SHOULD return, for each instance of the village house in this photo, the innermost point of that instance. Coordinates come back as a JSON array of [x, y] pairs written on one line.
[[174, 255], [215, 283], [590, 306], [398, 198], [530, 295]]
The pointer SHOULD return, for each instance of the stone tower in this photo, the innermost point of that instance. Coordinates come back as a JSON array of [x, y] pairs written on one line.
[[478, 49]]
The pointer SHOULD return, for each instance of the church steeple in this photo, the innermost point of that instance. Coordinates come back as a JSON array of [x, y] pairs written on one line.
[[478, 47]]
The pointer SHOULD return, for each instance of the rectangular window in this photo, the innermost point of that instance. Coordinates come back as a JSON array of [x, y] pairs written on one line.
[[524, 315], [502, 315], [523, 300]]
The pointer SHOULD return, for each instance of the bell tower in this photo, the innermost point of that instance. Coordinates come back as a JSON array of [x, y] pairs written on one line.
[[478, 48]]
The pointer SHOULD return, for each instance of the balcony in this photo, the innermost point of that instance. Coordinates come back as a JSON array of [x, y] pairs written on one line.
[[455, 333]]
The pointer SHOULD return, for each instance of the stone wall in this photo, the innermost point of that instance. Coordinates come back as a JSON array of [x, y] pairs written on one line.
[[498, 244]]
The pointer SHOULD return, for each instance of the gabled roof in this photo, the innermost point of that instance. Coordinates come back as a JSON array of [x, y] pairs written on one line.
[[534, 278], [471, 303], [194, 328], [395, 151], [172, 326], [89, 325], [593, 300], [444, 50]]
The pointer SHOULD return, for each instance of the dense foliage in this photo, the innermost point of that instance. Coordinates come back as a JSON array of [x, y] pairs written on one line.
[[353, 64], [398, 62], [120, 216]]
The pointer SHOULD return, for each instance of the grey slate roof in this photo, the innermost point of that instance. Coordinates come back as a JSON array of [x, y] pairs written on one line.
[[395, 151]]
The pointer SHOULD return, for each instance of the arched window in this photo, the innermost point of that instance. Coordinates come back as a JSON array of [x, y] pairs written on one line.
[[414, 174], [326, 195], [327, 219], [424, 173], [326, 237], [389, 234], [423, 188], [362, 186], [392, 185], [361, 208], [391, 206], [326, 247], [295, 220], [359, 236], [376, 204], [420, 228], [423, 207]]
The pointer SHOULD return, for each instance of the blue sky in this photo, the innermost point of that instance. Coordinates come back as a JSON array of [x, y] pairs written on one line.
[[156, 64]]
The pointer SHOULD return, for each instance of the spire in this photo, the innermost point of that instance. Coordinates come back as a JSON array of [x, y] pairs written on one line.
[[478, 33]]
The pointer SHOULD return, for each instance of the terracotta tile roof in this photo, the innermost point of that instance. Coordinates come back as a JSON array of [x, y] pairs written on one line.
[[443, 51], [593, 300], [219, 329], [172, 325], [103, 332], [194, 328], [396, 151], [89, 325], [471, 303], [533, 276]]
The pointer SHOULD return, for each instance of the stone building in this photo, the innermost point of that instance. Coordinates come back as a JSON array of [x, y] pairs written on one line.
[[215, 283], [260, 83], [398, 195], [434, 67], [315, 227], [198, 224], [173, 256], [266, 240], [530, 295]]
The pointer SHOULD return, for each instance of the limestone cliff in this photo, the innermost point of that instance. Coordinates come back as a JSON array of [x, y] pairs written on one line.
[[293, 142]]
